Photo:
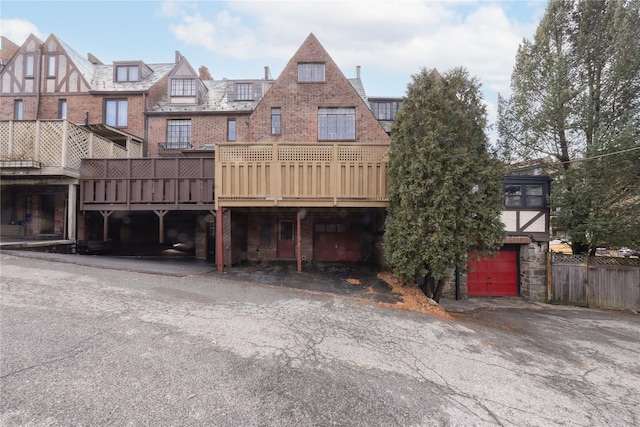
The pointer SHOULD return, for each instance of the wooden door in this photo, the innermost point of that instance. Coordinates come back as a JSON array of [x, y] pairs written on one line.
[[286, 240]]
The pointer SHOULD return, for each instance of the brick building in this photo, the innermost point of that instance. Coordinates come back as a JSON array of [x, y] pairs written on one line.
[[291, 168]]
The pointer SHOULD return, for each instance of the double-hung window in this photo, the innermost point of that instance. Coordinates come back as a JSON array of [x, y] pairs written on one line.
[[51, 66], [336, 124], [179, 134], [30, 66], [115, 112], [231, 130], [275, 121], [127, 73], [311, 72], [183, 87], [62, 108], [17, 109]]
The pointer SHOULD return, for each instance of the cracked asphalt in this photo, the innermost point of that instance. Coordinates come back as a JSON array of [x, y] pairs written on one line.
[[91, 346]]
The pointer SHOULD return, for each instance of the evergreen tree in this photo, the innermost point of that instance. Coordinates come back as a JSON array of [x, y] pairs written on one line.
[[445, 188], [576, 98]]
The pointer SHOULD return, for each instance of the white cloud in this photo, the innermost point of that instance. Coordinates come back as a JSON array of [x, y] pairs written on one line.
[[17, 30], [396, 37]]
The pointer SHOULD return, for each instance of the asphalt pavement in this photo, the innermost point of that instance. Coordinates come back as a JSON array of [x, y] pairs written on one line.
[[182, 345], [358, 280]]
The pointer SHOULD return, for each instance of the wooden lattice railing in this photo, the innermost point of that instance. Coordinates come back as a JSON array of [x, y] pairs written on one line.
[[147, 184], [57, 144], [301, 175]]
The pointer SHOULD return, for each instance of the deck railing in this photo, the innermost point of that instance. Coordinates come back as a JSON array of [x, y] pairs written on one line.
[[147, 184], [301, 175], [55, 145]]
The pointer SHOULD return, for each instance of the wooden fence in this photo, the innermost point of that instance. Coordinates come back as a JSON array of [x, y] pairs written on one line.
[[598, 282]]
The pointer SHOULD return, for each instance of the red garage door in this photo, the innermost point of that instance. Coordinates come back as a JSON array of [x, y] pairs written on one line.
[[494, 277]]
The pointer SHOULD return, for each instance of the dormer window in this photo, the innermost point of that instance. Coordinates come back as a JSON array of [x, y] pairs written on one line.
[[183, 87], [127, 73], [311, 72], [244, 92]]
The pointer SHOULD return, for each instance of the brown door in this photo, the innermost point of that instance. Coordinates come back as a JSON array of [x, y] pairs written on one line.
[[286, 241], [336, 242]]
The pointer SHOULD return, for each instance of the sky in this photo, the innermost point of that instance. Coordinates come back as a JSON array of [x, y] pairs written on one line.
[[389, 39]]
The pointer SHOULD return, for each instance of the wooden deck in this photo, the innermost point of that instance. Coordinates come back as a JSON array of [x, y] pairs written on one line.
[[147, 184]]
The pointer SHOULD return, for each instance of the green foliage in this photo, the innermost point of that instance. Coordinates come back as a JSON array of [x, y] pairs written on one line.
[[576, 98], [445, 189]]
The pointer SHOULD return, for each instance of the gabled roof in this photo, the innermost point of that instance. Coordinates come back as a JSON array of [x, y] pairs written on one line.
[[7, 50], [83, 65]]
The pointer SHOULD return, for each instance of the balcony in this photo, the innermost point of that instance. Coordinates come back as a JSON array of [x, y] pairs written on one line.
[[301, 175], [54, 147], [147, 184]]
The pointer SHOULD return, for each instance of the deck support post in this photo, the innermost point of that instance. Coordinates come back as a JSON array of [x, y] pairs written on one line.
[[299, 240], [161, 215], [105, 224], [219, 243]]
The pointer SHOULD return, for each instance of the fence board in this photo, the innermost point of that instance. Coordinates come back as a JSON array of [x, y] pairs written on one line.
[[600, 282]]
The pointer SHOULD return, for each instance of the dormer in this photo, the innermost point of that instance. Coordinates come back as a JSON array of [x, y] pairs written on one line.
[[246, 90], [130, 71], [184, 86]]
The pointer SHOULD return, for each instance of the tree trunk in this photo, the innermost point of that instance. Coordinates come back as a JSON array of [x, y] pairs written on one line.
[[437, 293]]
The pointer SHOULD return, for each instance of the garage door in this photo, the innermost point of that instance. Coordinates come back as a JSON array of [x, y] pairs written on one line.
[[493, 277], [336, 242]]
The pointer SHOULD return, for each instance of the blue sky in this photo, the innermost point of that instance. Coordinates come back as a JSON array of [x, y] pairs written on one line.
[[390, 40]]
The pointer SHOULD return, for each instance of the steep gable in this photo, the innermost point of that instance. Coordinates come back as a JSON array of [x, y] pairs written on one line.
[[7, 50], [66, 71], [18, 76], [312, 85], [184, 86]]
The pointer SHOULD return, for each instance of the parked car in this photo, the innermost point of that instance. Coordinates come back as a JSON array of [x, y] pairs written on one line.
[[627, 252], [560, 246]]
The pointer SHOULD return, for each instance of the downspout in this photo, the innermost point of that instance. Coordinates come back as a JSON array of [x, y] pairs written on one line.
[[39, 84], [145, 145]]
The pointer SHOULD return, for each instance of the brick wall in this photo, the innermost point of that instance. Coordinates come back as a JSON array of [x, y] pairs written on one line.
[[299, 102], [205, 129]]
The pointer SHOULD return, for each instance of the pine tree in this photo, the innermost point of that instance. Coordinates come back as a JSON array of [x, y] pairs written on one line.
[[576, 98], [445, 188]]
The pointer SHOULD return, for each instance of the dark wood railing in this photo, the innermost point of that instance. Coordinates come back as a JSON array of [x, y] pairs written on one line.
[[147, 184]]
